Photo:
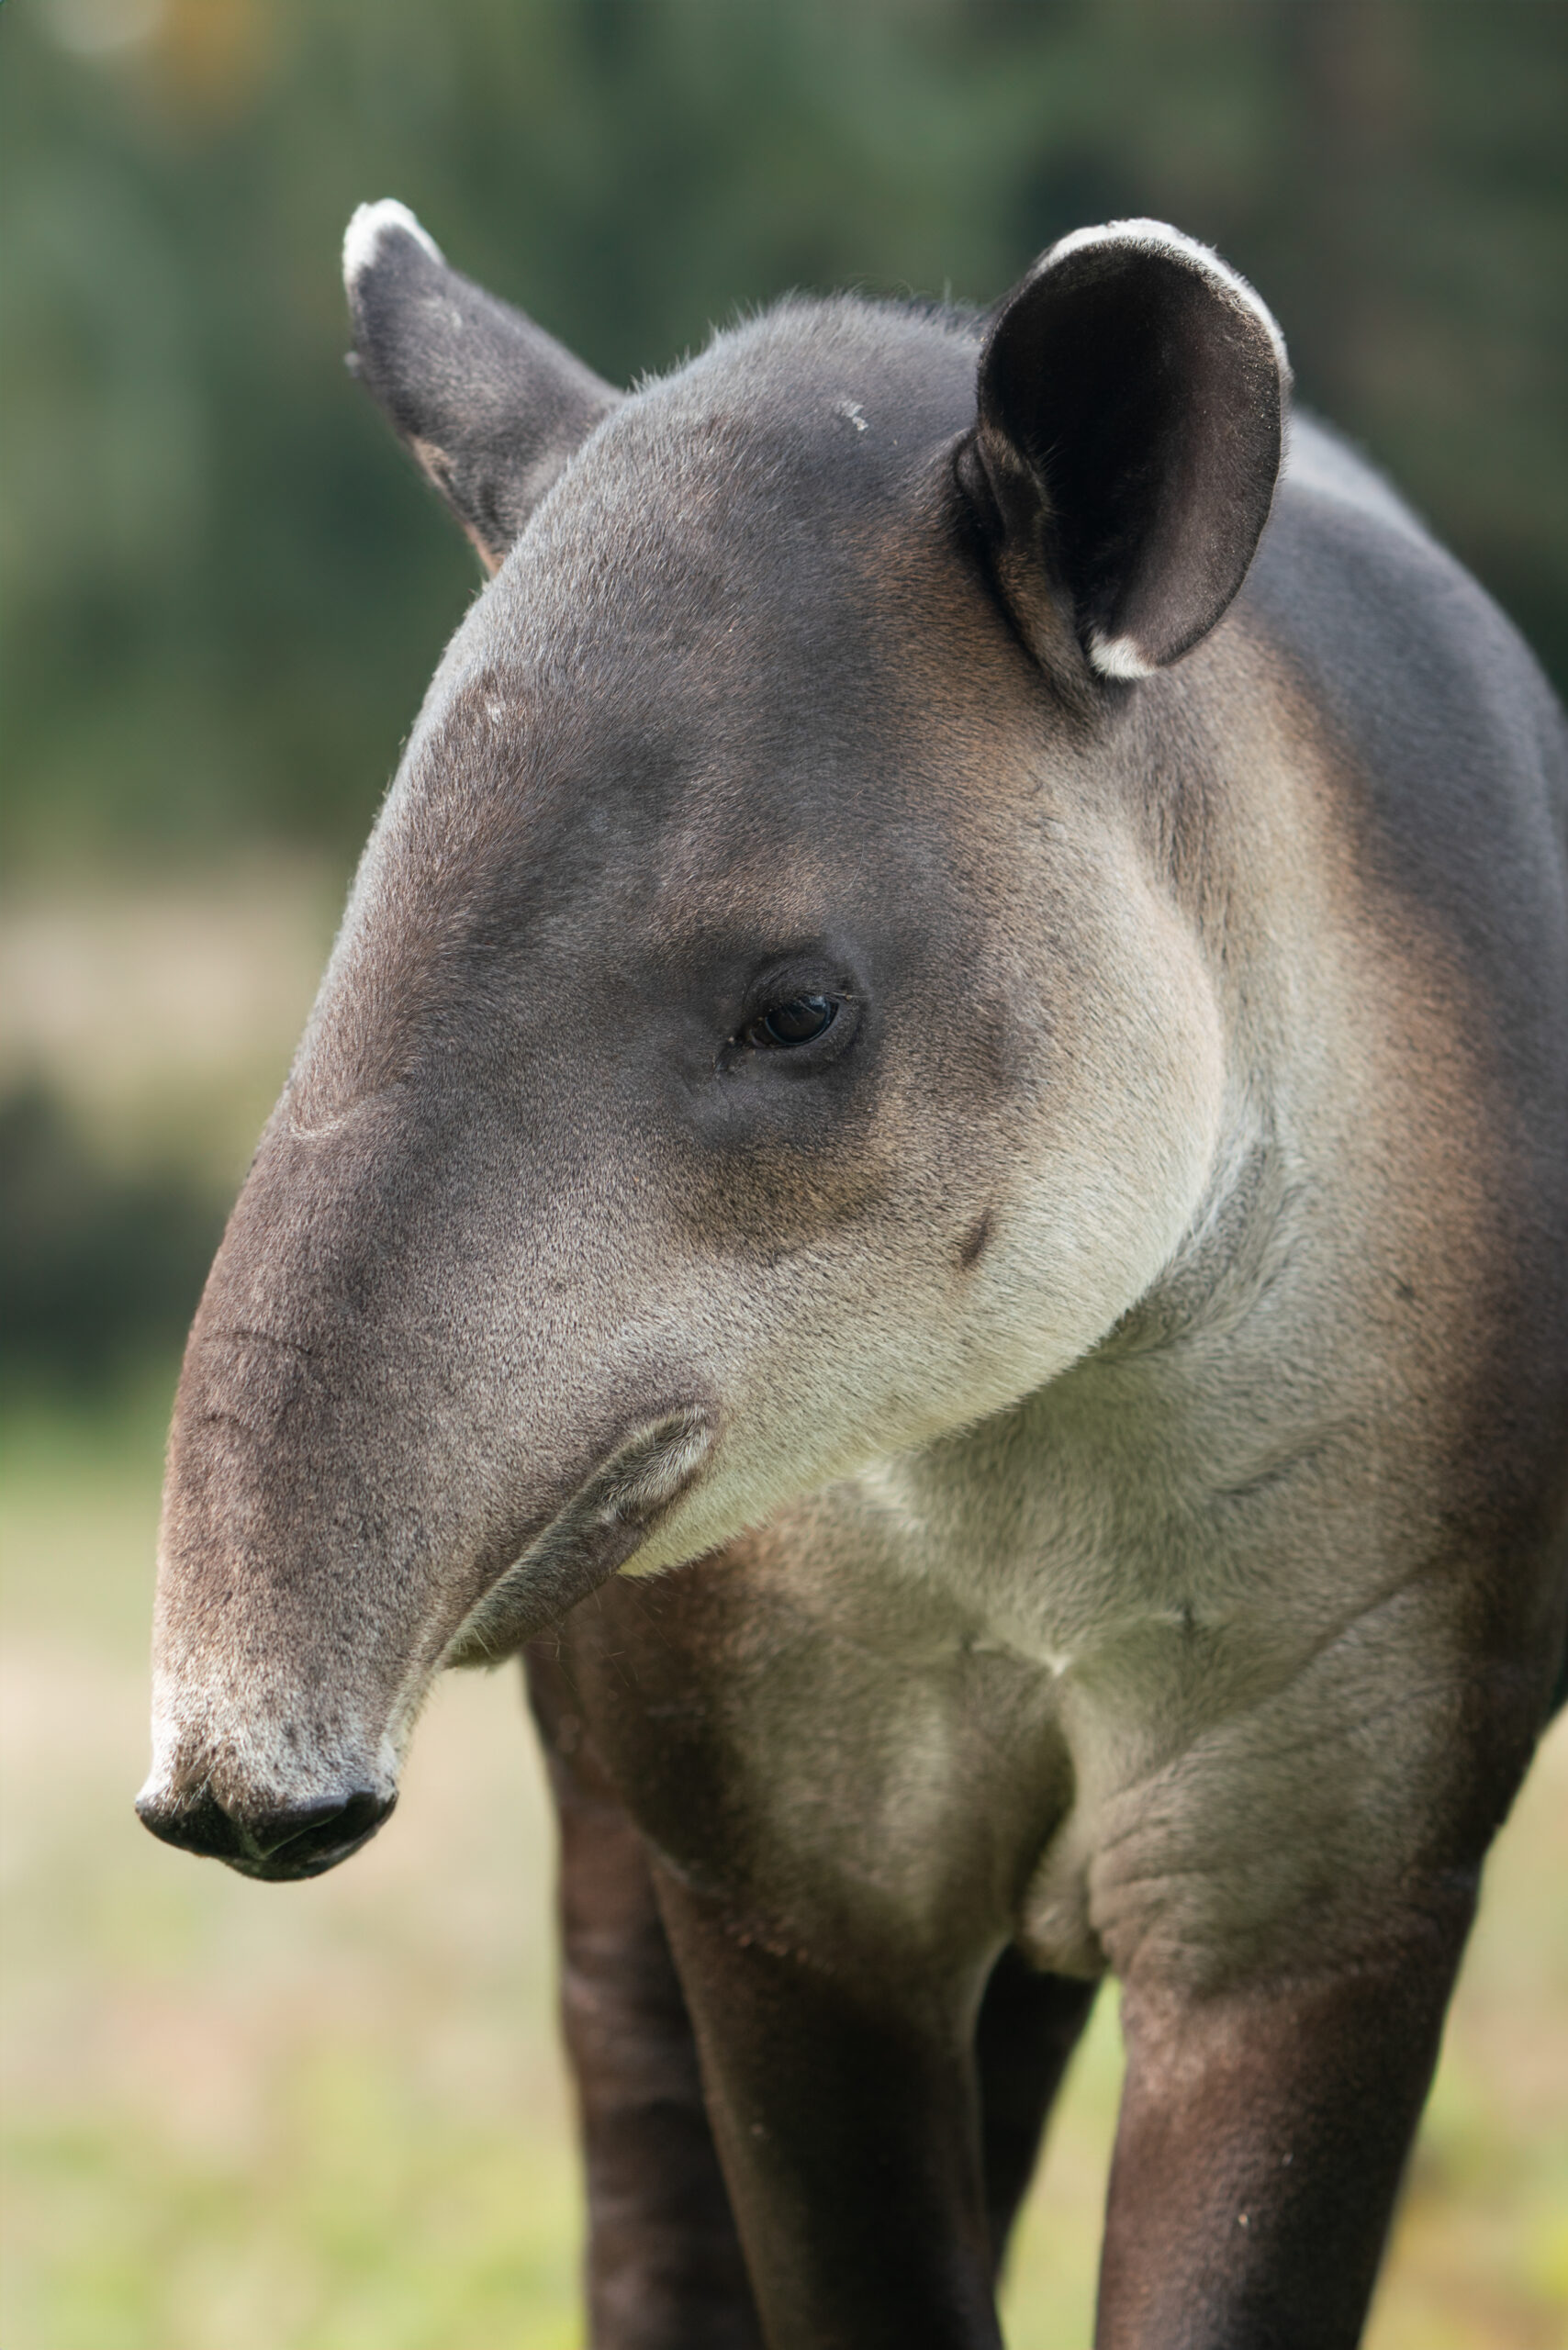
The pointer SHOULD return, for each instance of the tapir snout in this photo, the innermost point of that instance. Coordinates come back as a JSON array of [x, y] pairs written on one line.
[[374, 1470], [284, 1774]]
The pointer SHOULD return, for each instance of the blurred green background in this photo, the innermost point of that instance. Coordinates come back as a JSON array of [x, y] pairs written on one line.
[[330, 2115], [221, 600]]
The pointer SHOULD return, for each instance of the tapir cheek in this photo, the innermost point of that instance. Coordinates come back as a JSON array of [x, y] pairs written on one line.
[[772, 1177]]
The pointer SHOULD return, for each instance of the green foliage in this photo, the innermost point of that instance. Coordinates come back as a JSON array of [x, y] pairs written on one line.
[[221, 599]]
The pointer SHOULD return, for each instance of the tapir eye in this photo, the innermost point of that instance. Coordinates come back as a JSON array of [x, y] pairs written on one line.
[[799, 1021]]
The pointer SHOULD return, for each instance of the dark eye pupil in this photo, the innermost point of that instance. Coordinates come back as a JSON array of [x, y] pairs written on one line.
[[797, 1022]]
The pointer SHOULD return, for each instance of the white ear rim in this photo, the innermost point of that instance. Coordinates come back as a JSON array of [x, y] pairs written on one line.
[[1118, 656], [371, 222], [1159, 236]]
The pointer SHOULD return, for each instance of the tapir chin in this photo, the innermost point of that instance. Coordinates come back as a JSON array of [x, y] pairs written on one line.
[[933, 1166]]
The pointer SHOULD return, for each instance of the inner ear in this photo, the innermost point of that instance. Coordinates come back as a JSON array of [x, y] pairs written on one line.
[[491, 405], [1131, 405]]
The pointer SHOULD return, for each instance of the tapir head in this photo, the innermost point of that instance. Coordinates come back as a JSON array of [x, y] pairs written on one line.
[[762, 1035]]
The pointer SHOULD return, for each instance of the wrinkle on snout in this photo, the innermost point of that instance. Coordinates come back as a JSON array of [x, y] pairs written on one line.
[[340, 1110]]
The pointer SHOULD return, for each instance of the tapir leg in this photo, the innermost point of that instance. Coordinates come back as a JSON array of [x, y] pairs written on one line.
[[1029, 2025], [665, 2266], [847, 2123], [1262, 2140]]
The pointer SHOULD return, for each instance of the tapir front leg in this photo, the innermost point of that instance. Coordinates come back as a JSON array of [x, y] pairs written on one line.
[[664, 2269], [847, 2118], [1262, 2134]]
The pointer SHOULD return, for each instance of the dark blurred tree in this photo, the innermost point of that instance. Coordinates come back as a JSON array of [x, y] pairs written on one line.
[[223, 594], [96, 1268]]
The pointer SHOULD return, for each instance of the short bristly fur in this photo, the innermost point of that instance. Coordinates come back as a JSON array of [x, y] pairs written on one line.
[[950, 1053]]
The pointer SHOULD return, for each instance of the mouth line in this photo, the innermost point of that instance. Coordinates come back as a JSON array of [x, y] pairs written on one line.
[[608, 1518], [281, 1870]]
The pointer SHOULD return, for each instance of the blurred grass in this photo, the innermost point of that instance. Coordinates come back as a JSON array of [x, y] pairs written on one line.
[[331, 2116]]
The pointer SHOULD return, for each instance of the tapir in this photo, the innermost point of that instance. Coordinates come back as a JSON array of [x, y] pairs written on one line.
[[933, 1167]]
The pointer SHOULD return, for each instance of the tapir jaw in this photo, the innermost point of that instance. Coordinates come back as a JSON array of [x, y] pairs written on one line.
[[605, 1522]]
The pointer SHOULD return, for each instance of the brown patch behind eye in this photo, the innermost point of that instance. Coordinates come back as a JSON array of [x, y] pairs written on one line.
[[973, 1244]]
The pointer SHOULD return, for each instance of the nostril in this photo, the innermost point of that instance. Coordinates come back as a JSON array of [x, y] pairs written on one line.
[[285, 1840], [196, 1823]]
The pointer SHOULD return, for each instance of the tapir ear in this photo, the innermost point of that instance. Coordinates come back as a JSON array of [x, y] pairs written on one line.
[[1132, 396], [491, 405]]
